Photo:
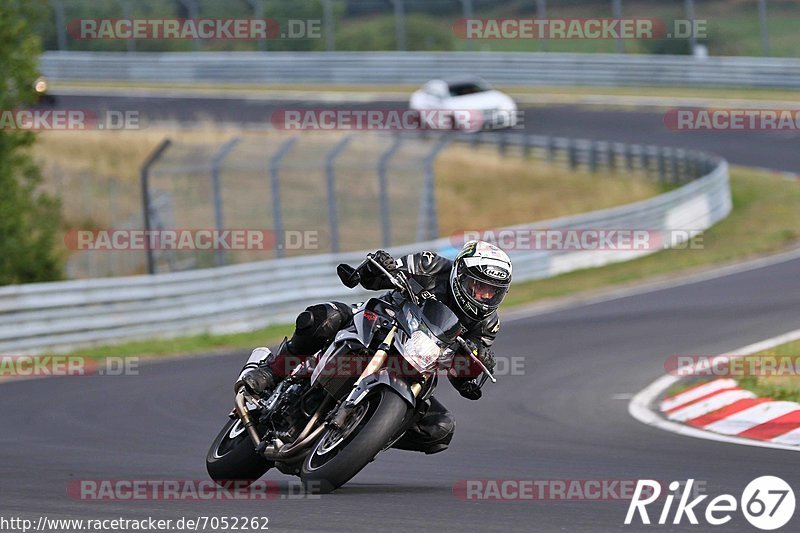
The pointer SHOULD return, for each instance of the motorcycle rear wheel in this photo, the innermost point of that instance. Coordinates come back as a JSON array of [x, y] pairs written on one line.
[[232, 456]]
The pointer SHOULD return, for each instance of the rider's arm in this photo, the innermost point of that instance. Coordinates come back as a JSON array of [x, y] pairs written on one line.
[[464, 369], [424, 267]]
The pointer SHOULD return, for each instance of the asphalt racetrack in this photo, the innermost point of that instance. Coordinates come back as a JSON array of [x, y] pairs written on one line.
[[564, 418]]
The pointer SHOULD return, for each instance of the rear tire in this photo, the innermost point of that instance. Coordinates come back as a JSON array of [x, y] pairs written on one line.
[[232, 456], [324, 472]]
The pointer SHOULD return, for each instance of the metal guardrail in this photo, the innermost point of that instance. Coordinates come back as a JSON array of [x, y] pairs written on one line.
[[507, 68], [62, 315]]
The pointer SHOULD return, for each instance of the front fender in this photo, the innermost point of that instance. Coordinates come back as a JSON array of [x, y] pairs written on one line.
[[383, 379]]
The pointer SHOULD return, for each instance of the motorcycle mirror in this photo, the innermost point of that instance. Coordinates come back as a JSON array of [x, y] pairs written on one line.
[[349, 275]]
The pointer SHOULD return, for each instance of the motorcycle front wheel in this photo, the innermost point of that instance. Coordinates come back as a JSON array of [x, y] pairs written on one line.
[[340, 454]]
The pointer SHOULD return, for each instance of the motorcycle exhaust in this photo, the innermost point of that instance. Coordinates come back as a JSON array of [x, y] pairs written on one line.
[[244, 416]]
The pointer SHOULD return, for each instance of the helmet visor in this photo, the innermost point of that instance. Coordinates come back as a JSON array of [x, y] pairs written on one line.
[[483, 292]]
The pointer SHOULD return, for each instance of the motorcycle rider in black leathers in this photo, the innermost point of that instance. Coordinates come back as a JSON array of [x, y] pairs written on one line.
[[472, 285]]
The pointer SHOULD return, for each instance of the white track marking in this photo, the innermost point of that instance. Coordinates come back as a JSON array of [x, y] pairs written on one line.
[[752, 417]]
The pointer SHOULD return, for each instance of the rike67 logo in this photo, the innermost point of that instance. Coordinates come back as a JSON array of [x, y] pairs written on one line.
[[767, 503]]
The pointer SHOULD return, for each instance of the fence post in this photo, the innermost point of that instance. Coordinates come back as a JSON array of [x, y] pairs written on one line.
[[193, 9], [399, 24], [383, 192], [327, 17], [216, 189], [616, 8], [467, 13], [662, 165], [428, 225], [762, 17], [61, 23], [130, 43], [144, 180], [330, 181], [275, 188]]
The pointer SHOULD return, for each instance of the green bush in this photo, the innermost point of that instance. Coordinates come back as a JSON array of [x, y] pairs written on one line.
[[29, 219]]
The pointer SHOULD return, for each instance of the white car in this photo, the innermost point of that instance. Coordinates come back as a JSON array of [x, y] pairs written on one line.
[[471, 103]]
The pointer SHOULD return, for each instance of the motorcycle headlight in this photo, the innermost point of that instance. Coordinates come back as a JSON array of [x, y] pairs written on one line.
[[421, 351]]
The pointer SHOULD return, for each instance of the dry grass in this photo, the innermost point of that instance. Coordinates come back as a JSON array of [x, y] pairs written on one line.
[[477, 188]]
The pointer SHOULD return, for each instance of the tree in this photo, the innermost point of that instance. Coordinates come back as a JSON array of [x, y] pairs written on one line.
[[29, 218]]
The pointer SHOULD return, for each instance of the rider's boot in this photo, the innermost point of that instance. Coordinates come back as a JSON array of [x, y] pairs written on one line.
[[264, 370]]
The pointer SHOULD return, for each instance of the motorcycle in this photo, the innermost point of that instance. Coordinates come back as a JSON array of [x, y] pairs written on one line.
[[328, 427]]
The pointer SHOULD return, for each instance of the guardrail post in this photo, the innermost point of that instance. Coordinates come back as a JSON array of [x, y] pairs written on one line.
[[674, 162], [644, 156], [573, 154], [502, 143], [144, 180], [216, 188], [383, 192], [427, 223], [593, 156], [611, 156], [551, 149], [629, 157], [275, 188], [330, 181]]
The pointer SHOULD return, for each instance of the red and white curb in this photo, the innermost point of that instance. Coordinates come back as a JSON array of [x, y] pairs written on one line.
[[722, 411]]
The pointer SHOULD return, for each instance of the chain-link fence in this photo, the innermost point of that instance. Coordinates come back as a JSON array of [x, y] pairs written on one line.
[[301, 194]]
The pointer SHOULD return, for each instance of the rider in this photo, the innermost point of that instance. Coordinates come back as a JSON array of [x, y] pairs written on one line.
[[473, 285]]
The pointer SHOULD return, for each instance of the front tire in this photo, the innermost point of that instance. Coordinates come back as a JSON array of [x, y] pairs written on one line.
[[232, 456], [334, 459]]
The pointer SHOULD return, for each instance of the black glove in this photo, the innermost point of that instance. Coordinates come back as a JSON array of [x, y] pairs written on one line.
[[384, 259], [468, 389], [484, 353]]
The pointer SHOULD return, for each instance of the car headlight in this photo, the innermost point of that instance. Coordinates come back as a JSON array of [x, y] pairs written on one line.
[[422, 351]]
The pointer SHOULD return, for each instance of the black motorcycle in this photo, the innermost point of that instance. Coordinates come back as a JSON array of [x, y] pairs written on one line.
[[365, 390]]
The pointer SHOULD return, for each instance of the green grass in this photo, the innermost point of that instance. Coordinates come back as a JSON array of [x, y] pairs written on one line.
[[773, 384], [205, 342], [755, 373], [765, 219]]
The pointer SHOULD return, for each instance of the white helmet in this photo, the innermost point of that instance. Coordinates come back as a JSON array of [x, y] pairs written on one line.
[[480, 278]]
